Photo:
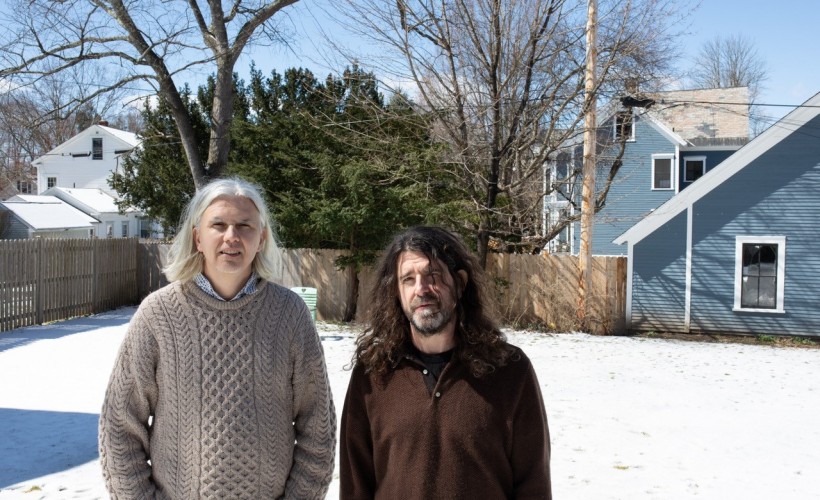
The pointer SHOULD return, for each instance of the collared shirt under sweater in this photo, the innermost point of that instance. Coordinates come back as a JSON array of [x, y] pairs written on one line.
[[215, 394]]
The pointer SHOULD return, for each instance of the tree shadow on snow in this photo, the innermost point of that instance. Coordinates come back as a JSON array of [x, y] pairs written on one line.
[[37, 443], [29, 334]]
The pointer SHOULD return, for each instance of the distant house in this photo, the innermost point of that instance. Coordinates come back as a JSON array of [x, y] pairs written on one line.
[[86, 160], [737, 251], [102, 206], [28, 216], [77, 172], [668, 145]]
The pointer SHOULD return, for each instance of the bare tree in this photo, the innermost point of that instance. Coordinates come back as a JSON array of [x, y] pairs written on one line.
[[505, 82], [733, 61], [37, 118], [153, 41]]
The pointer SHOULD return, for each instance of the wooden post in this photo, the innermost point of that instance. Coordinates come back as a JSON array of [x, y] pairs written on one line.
[[588, 187]]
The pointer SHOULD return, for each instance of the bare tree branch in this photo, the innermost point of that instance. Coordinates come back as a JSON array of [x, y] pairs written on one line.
[[150, 41]]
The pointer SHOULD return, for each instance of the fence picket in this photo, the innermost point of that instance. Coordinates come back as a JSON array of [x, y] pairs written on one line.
[[52, 279]]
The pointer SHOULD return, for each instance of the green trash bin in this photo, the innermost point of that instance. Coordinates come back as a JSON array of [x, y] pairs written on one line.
[[308, 294]]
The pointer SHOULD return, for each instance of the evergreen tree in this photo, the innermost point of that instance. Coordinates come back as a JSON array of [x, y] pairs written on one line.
[[155, 177]]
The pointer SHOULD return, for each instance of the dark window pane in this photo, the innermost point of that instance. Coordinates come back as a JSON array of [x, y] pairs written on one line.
[[663, 173], [758, 287], [96, 148], [694, 169]]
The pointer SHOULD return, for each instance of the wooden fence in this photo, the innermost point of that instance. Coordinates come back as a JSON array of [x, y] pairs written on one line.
[[44, 280], [47, 280]]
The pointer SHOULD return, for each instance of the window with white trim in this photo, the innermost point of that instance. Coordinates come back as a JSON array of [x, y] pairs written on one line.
[[125, 229], [760, 265], [693, 167], [623, 126], [96, 148], [24, 187], [51, 182], [663, 171]]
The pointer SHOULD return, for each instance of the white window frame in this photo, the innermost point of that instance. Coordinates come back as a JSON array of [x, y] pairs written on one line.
[[673, 184], [124, 229], [687, 159], [780, 241], [49, 184], [631, 136], [94, 151]]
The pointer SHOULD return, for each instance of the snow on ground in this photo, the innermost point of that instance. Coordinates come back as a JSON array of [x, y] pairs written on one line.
[[630, 418]]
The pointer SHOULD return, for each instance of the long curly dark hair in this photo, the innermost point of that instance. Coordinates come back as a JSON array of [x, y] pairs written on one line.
[[479, 342]]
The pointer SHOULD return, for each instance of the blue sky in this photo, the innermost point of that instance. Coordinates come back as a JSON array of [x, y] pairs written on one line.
[[785, 34]]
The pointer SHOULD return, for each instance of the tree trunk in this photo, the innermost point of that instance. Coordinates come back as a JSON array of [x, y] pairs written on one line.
[[352, 294]]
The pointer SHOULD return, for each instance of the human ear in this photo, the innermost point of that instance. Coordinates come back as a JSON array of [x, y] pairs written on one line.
[[195, 231]]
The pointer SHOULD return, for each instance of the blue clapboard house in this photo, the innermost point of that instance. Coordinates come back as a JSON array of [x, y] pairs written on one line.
[[736, 251], [668, 145]]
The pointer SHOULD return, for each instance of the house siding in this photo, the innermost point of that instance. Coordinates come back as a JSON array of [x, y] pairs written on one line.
[[659, 279], [713, 159], [81, 171], [14, 228], [630, 196], [774, 195], [761, 200]]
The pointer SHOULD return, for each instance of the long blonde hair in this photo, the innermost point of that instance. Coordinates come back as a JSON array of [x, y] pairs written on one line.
[[185, 261]]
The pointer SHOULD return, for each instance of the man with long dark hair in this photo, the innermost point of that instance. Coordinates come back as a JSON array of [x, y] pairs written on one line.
[[439, 404]]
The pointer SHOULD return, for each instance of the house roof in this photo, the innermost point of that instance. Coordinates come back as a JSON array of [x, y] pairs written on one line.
[[78, 145], [129, 137], [48, 212], [726, 169], [694, 118], [89, 200]]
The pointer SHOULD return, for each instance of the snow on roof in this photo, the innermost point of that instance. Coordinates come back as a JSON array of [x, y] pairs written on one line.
[[95, 199], [128, 137], [49, 213], [33, 198]]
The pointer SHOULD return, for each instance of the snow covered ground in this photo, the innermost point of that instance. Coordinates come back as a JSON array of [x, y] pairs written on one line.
[[630, 418]]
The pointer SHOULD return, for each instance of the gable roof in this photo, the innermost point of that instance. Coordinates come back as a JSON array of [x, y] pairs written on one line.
[[79, 145], [89, 200], [48, 212], [726, 169]]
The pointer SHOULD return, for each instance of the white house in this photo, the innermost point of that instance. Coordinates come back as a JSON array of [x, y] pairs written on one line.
[[27, 216], [102, 206], [86, 160]]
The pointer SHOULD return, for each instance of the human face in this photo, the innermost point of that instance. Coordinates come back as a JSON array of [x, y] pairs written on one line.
[[427, 293], [229, 235]]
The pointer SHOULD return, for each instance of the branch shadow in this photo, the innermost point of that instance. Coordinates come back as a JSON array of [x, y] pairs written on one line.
[[38, 443]]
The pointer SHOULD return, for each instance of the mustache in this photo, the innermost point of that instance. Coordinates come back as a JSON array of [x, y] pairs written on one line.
[[424, 299]]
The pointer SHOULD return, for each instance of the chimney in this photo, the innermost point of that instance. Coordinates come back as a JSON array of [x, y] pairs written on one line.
[[104, 123], [632, 85]]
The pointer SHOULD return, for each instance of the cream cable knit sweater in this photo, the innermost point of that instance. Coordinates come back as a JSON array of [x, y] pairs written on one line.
[[207, 399]]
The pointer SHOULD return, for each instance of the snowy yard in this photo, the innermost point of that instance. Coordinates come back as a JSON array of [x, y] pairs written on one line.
[[630, 418]]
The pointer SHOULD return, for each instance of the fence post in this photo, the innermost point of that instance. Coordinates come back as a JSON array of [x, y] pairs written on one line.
[[95, 279], [38, 294]]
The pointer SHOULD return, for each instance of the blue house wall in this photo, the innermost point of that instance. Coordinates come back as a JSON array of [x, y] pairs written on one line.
[[658, 285], [713, 159], [776, 194], [630, 196]]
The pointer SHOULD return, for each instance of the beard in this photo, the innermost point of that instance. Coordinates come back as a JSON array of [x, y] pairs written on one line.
[[428, 322]]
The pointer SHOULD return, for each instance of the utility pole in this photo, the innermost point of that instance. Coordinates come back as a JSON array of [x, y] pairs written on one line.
[[588, 187]]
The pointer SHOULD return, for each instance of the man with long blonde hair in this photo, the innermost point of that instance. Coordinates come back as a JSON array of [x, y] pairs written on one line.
[[439, 405], [220, 388]]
